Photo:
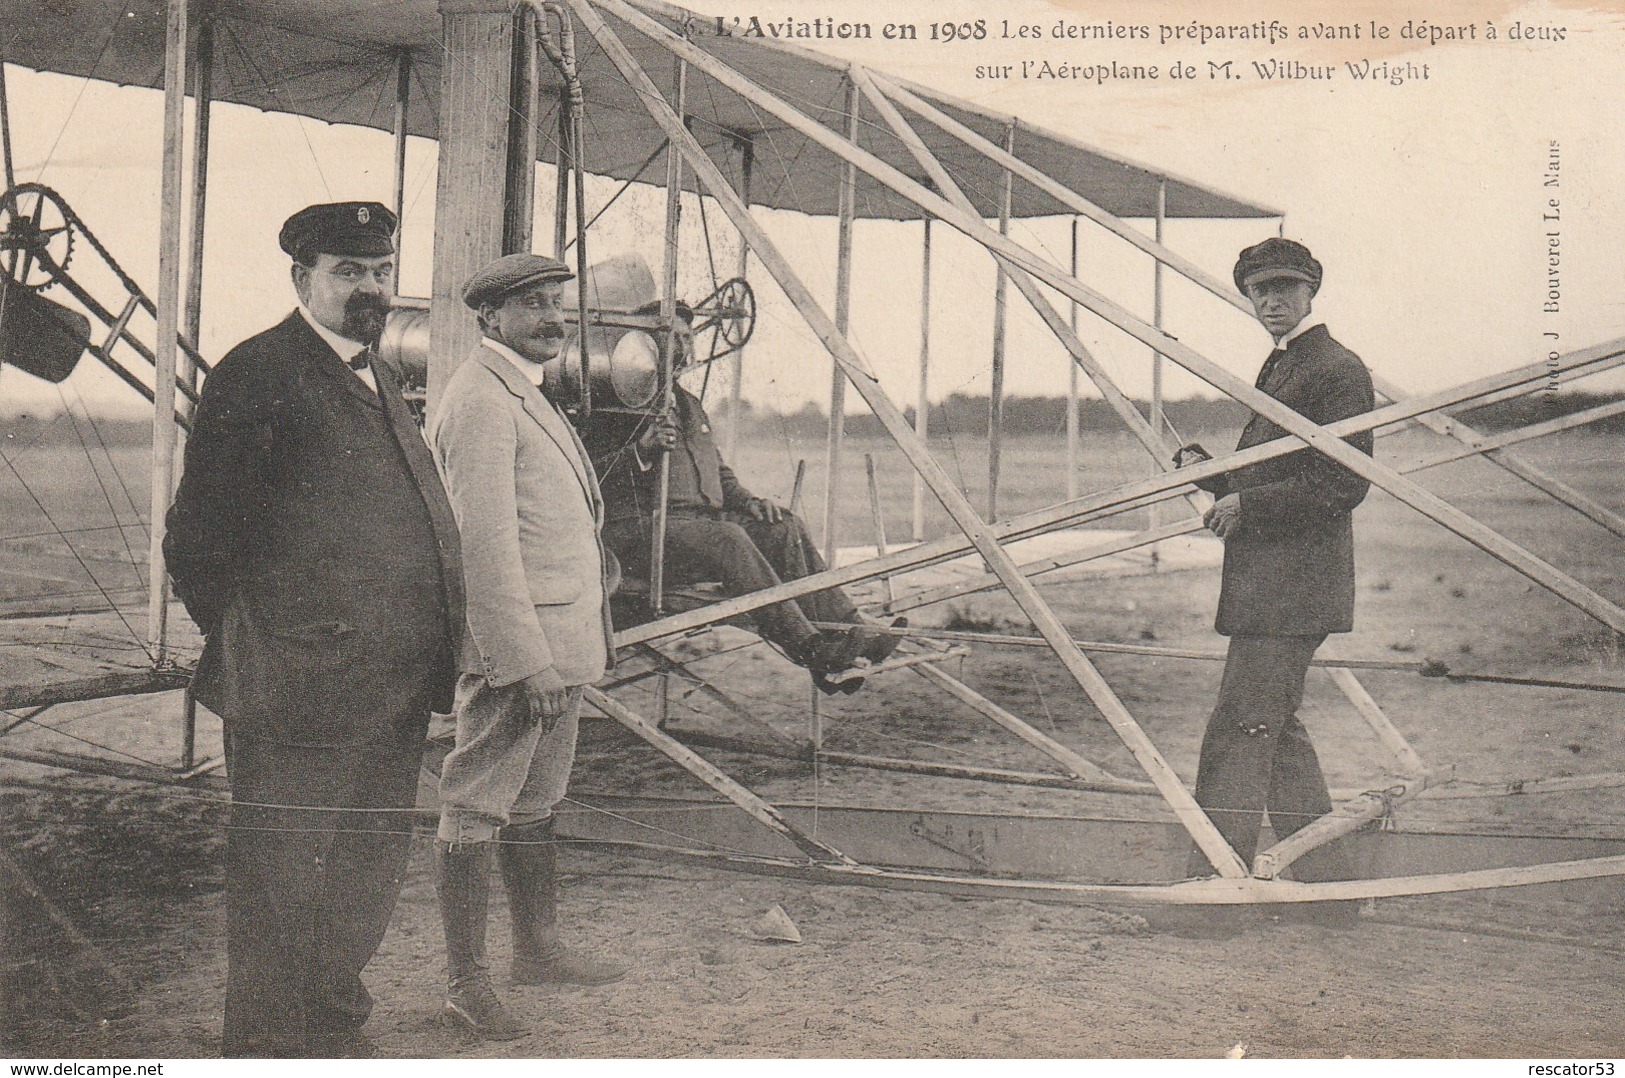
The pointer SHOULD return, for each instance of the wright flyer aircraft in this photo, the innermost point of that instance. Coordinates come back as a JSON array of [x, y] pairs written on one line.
[[731, 125]]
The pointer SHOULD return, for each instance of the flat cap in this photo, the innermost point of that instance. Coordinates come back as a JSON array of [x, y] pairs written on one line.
[[504, 276], [1276, 258], [365, 229]]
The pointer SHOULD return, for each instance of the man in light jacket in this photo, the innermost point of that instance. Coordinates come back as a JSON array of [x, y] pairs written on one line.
[[527, 507]]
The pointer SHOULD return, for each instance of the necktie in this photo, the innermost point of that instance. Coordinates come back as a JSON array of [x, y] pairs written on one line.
[[1269, 367], [361, 360]]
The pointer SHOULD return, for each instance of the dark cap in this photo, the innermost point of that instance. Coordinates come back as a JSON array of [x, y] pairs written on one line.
[[1276, 258], [504, 276], [364, 229], [683, 310]]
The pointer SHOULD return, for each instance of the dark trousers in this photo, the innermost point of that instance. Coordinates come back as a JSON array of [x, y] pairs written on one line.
[[311, 882], [742, 553], [1256, 755]]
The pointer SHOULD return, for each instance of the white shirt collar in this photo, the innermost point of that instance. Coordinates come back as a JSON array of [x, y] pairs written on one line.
[[532, 371], [344, 346], [1297, 331]]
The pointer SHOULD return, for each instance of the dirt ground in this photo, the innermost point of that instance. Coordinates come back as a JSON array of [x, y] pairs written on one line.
[[1534, 973]]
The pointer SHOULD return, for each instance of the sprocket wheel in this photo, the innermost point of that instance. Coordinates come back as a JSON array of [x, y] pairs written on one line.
[[36, 236]]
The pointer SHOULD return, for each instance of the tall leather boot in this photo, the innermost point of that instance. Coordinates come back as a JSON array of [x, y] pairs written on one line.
[[463, 880], [529, 860]]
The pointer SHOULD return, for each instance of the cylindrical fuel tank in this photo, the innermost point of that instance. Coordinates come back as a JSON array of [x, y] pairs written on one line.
[[623, 364], [404, 344]]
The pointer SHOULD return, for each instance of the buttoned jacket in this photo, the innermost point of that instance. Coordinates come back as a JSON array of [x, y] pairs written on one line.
[[311, 541], [528, 508], [630, 478], [1289, 566]]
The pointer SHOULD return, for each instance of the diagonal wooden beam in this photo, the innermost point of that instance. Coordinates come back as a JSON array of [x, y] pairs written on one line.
[[1450, 428], [1509, 462], [708, 773], [1384, 478], [1179, 799], [1161, 452], [1078, 766], [1490, 443], [1364, 703], [1135, 494]]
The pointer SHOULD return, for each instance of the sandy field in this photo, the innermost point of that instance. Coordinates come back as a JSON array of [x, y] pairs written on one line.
[[137, 870]]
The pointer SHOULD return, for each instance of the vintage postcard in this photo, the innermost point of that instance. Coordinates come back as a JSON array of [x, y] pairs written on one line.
[[872, 529]]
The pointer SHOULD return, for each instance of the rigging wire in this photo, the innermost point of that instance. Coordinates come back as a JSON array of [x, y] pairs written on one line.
[[107, 495], [30, 719], [101, 55], [95, 582], [265, 84]]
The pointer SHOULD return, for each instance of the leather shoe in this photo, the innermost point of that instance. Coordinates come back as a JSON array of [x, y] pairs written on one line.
[[472, 1006], [876, 646], [829, 652], [567, 966]]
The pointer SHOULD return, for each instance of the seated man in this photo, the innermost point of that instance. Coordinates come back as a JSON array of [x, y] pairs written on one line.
[[716, 530]]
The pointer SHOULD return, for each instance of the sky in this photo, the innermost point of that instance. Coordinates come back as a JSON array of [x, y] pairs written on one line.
[[1424, 200]]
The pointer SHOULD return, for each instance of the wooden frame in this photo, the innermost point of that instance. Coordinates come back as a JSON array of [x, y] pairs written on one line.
[[946, 202], [984, 534]]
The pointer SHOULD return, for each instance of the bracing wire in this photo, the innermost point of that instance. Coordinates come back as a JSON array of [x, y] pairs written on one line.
[[107, 497], [135, 636]]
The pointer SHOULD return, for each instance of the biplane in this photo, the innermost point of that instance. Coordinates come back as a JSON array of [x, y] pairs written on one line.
[[621, 90]]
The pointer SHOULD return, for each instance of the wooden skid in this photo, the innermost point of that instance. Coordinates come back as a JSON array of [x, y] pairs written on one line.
[[1073, 859]]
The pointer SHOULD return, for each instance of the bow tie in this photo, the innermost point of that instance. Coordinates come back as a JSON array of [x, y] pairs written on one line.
[[361, 360]]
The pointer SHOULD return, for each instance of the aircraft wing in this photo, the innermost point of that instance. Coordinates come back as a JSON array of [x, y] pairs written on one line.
[[337, 60]]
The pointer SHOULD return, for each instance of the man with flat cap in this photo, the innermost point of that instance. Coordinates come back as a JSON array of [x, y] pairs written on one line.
[[312, 542], [1288, 577], [538, 630]]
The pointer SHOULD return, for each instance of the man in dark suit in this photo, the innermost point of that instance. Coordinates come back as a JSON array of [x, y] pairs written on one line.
[[1288, 573], [717, 530], [312, 543]]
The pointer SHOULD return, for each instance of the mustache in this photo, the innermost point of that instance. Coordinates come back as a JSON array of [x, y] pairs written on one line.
[[550, 331], [367, 303]]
